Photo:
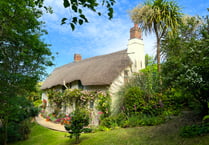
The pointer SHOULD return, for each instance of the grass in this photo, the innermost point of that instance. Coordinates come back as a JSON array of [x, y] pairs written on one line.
[[165, 134]]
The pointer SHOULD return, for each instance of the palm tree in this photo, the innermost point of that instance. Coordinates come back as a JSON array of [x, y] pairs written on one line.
[[158, 16]]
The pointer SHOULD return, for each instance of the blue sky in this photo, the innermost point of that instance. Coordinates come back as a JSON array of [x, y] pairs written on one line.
[[100, 35]]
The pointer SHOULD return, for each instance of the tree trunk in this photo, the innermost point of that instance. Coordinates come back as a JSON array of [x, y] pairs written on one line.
[[158, 61], [77, 139], [4, 125], [158, 56]]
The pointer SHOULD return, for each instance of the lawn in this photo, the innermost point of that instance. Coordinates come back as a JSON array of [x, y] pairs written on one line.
[[165, 134]]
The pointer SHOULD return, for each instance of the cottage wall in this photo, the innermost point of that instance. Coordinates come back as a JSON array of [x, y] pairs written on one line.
[[117, 84]]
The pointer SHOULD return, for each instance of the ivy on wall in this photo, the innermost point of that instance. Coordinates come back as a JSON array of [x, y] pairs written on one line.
[[79, 99]]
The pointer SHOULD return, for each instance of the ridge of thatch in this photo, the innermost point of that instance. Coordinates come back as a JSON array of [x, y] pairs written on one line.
[[98, 70]]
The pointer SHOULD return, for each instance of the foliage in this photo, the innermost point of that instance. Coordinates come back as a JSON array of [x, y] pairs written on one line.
[[56, 98], [206, 117], [190, 67], [77, 8], [140, 94], [78, 97], [194, 130], [18, 131], [18, 123], [158, 16], [80, 119], [35, 95], [23, 57], [122, 120], [103, 103], [174, 101], [109, 122]]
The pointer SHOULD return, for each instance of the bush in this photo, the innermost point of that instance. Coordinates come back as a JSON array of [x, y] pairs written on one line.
[[87, 130], [136, 102], [17, 131], [114, 121], [79, 119], [194, 130], [132, 121], [109, 122]]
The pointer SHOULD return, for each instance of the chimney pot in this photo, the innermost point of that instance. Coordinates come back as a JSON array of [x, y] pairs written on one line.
[[77, 57]]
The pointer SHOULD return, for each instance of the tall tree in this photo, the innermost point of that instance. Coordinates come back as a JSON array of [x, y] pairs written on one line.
[[23, 56], [187, 62], [158, 16]]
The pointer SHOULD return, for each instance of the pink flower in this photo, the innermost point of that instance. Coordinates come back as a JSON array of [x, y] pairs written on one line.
[[100, 112]]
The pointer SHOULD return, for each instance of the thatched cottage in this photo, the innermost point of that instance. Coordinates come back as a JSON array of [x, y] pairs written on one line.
[[105, 72]]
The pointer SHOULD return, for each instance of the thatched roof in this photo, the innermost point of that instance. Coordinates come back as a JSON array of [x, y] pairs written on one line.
[[99, 70]]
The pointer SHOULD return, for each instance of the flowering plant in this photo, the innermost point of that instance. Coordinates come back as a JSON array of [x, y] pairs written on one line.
[[44, 102], [80, 119]]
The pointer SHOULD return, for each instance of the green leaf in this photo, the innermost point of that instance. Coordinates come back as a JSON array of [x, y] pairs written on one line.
[[66, 3], [83, 17], [75, 19], [72, 26], [63, 21], [110, 13], [75, 8], [80, 11], [205, 117], [80, 21], [99, 13]]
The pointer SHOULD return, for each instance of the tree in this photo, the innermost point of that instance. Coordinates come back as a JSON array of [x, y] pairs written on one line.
[[158, 16], [77, 7], [189, 70], [79, 120], [23, 55]]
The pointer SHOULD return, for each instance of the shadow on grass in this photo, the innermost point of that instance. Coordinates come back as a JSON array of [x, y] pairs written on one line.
[[72, 141], [168, 133]]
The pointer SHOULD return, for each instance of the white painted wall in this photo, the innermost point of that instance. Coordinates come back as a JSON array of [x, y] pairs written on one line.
[[116, 85], [74, 85], [136, 53]]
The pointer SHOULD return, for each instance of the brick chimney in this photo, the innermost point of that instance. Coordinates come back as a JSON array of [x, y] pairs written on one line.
[[77, 57], [135, 32]]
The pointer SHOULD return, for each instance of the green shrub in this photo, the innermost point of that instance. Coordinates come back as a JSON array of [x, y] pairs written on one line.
[[114, 121], [136, 102], [194, 130], [102, 128], [79, 119], [87, 130], [17, 131], [109, 122], [37, 103], [103, 102]]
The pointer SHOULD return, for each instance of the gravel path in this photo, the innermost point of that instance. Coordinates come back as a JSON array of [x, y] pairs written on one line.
[[58, 127]]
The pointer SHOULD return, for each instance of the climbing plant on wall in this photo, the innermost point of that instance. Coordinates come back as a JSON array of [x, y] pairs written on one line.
[[103, 103], [80, 99]]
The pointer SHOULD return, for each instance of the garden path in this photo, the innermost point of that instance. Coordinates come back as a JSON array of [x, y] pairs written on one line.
[[58, 127]]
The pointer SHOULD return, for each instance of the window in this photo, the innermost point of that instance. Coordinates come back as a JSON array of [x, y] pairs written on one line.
[[126, 75], [91, 105], [80, 86]]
